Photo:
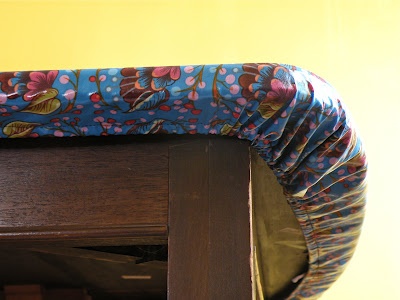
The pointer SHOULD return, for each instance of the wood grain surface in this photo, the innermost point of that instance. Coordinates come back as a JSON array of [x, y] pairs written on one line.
[[92, 187], [209, 237], [58, 193]]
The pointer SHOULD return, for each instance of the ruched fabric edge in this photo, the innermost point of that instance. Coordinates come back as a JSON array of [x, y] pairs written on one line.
[[293, 118]]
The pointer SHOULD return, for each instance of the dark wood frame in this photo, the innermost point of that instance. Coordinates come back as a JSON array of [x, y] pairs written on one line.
[[190, 192], [209, 221]]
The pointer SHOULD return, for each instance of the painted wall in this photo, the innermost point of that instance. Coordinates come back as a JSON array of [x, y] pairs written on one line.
[[354, 44]]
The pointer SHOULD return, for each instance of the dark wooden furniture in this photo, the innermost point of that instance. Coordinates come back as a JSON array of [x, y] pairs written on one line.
[[191, 194], [209, 240], [100, 213], [38, 292]]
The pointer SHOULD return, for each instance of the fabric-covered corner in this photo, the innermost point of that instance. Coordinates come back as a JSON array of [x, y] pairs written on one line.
[[293, 118]]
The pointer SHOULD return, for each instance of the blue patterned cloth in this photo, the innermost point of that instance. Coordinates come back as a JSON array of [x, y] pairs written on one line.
[[293, 118]]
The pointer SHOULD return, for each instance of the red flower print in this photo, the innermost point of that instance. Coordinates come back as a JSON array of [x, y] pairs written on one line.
[[269, 82], [40, 82], [163, 76], [139, 80], [139, 84]]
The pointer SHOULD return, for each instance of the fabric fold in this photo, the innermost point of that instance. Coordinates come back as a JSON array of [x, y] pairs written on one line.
[[293, 118]]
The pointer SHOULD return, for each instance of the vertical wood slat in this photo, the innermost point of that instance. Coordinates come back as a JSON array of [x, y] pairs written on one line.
[[188, 239], [230, 222], [209, 221]]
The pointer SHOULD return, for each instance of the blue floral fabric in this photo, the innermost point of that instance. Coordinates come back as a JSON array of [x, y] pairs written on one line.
[[293, 118]]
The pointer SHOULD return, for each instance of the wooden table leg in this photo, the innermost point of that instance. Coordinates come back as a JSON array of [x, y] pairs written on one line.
[[209, 220]]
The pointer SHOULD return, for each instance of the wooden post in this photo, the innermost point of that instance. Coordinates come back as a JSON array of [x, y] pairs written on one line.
[[209, 220]]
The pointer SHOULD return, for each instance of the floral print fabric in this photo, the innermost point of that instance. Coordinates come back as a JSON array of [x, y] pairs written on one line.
[[293, 118]]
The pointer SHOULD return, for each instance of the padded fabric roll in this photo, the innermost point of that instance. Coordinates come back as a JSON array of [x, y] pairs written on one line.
[[293, 118]]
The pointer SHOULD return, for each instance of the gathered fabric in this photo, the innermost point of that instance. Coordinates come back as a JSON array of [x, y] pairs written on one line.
[[294, 119]]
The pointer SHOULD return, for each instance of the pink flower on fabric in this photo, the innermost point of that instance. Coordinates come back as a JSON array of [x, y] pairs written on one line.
[[173, 72], [40, 82], [163, 76]]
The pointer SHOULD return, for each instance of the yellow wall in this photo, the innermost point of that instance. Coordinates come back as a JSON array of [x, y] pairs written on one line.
[[354, 44]]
